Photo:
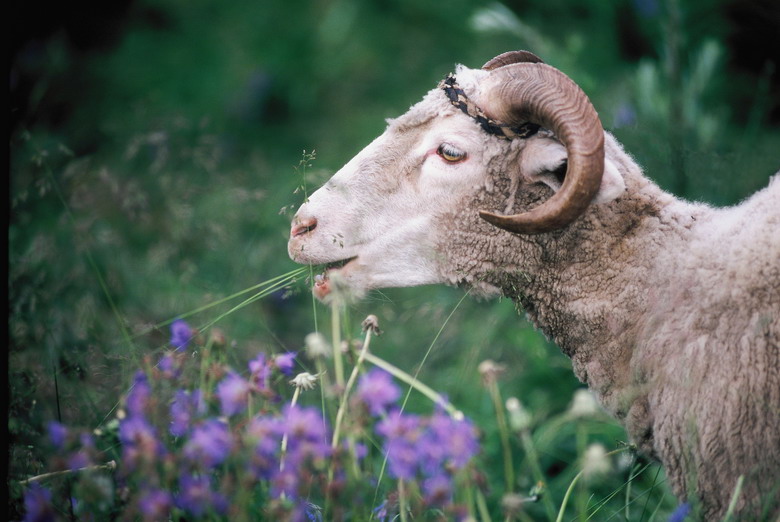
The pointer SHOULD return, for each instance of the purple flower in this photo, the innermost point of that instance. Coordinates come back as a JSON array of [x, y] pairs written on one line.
[[209, 444], [285, 482], [430, 446], [402, 459], [681, 513], [438, 490], [37, 505], [402, 434], [313, 512], [196, 497], [285, 362], [233, 393], [185, 405], [57, 434], [137, 399], [181, 334], [378, 391], [169, 366], [458, 438], [381, 511], [139, 441], [155, 504], [303, 425], [307, 443], [397, 425], [264, 433], [358, 450], [78, 460], [260, 372]]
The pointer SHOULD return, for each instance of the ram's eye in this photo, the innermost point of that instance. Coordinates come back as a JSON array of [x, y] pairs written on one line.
[[450, 153]]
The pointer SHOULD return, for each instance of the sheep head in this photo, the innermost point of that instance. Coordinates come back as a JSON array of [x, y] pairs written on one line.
[[382, 219]]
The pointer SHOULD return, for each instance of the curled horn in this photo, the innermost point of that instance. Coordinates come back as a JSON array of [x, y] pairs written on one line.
[[528, 91], [511, 57]]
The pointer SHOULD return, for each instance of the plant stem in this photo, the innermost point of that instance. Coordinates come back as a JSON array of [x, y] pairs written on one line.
[[343, 403], [401, 500], [338, 363], [574, 481], [566, 496], [350, 383], [503, 431], [536, 469], [581, 498], [205, 360], [110, 465], [484, 513], [734, 499], [631, 476], [283, 451]]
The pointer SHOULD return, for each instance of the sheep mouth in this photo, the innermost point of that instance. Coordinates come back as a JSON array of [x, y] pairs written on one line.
[[333, 266], [336, 265], [322, 286]]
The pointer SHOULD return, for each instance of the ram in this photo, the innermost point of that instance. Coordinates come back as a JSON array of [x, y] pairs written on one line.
[[503, 180]]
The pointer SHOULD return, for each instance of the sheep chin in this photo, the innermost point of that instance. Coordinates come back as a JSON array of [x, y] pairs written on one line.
[[333, 282]]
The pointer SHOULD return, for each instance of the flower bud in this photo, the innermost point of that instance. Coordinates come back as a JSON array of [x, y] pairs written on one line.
[[519, 418], [490, 371], [595, 462], [371, 323], [584, 404]]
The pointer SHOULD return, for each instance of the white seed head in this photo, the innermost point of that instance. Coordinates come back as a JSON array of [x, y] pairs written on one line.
[[490, 370], [305, 381], [512, 503], [595, 462], [519, 418], [584, 404], [317, 345], [371, 323]]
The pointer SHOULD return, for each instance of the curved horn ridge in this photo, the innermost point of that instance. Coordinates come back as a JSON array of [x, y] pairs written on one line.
[[510, 57], [541, 94]]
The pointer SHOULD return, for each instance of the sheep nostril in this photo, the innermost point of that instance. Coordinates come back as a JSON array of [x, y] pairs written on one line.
[[303, 226]]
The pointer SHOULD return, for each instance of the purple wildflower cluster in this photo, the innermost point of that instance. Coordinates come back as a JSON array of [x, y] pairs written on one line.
[[432, 448], [187, 452]]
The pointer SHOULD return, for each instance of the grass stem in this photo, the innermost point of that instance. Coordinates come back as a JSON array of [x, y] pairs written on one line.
[[734, 499], [402, 500], [574, 481], [338, 363], [401, 375], [350, 383], [536, 470], [110, 466], [283, 451], [503, 431]]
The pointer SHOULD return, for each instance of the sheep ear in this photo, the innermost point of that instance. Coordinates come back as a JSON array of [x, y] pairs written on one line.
[[544, 161]]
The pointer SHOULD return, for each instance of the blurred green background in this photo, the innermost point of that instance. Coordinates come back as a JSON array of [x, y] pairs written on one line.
[[155, 152]]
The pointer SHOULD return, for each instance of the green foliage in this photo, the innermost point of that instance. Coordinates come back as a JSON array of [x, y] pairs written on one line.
[[147, 179]]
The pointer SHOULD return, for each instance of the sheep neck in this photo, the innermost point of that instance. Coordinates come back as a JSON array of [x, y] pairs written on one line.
[[573, 284]]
